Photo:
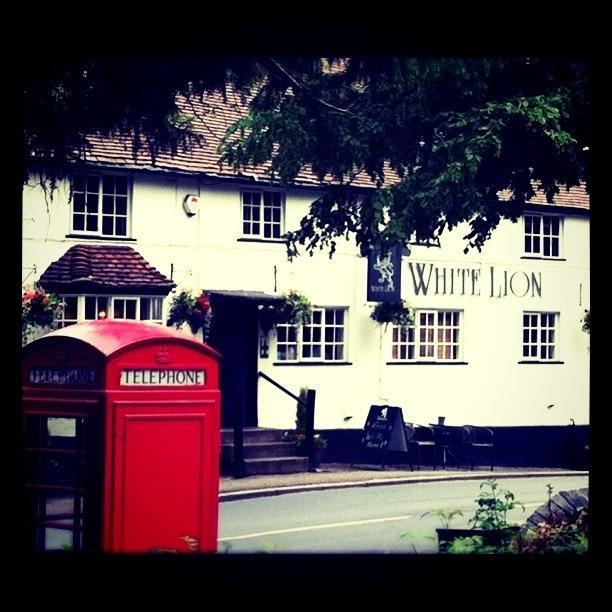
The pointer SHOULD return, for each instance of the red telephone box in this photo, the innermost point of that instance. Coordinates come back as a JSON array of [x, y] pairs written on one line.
[[122, 433]]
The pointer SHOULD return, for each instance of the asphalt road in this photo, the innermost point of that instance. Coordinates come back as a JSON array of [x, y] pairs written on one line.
[[381, 519]]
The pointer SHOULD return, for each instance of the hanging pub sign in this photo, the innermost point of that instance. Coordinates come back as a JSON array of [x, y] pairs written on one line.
[[385, 275], [383, 431]]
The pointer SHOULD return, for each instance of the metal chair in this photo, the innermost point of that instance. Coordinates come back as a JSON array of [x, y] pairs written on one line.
[[477, 440], [417, 437], [447, 439]]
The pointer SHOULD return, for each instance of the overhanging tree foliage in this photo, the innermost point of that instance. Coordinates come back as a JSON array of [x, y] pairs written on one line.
[[439, 139]]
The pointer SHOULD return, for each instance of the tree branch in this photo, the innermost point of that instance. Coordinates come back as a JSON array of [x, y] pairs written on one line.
[[303, 88]]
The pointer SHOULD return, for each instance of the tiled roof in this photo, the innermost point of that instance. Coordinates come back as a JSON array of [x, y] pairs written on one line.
[[104, 268], [576, 197], [212, 116]]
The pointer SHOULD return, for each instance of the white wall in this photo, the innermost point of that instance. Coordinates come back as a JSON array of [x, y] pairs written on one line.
[[491, 388]]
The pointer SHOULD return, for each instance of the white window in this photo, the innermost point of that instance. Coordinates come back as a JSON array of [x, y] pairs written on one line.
[[100, 205], [69, 315], [540, 336], [435, 336], [543, 235], [262, 214], [323, 339], [93, 307]]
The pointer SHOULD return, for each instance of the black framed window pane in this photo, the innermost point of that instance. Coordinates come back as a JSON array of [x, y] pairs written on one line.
[[107, 225], [108, 205], [92, 223], [130, 309], [536, 245], [92, 203], [70, 307], [58, 539], [93, 183], [108, 185], [120, 226], [121, 185], [79, 202], [78, 182]]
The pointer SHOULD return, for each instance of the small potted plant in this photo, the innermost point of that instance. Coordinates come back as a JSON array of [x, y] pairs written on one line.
[[489, 523], [298, 435], [397, 313], [193, 309]]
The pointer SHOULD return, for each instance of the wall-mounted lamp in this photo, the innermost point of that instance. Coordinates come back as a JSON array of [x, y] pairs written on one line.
[[191, 204], [263, 346]]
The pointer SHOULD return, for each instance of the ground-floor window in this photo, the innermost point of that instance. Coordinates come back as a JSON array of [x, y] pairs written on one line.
[[540, 335], [435, 336], [93, 307], [323, 339]]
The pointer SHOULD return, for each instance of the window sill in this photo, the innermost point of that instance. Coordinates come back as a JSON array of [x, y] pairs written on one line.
[[543, 258], [264, 240], [105, 238], [426, 363], [312, 363], [541, 362]]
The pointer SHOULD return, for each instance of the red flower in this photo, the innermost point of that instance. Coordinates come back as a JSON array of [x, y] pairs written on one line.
[[203, 302]]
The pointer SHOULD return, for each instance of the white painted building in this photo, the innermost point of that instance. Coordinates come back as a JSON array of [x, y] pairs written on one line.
[[498, 337]]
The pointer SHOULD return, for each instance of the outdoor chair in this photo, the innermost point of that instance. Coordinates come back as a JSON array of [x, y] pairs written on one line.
[[447, 440], [417, 437], [476, 441]]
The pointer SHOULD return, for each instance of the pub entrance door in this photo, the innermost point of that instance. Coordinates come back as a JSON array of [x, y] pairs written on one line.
[[234, 334]]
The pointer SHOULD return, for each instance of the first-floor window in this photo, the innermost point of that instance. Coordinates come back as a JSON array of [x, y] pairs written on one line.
[[435, 336], [543, 235], [539, 335], [323, 339], [93, 307]]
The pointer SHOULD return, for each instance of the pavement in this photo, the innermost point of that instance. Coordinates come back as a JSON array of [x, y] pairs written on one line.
[[342, 475]]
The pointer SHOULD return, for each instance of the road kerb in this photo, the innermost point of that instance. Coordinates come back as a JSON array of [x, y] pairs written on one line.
[[270, 491]]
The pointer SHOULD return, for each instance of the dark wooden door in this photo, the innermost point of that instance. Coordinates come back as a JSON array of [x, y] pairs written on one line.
[[234, 334]]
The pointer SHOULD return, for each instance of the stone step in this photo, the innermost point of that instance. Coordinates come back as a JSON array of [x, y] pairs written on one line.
[[252, 435], [276, 465], [261, 450]]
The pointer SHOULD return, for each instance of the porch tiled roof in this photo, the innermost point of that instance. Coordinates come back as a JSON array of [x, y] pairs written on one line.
[[104, 268]]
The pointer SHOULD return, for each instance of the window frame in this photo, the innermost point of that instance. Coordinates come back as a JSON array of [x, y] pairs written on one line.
[[110, 309], [260, 235], [541, 236], [538, 330], [436, 343], [323, 344], [100, 214]]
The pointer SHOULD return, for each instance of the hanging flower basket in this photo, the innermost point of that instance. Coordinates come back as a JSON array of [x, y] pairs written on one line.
[[296, 309], [293, 308], [195, 310], [38, 308], [397, 313]]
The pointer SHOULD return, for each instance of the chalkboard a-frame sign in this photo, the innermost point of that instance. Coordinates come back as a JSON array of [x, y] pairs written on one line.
[[383, 432]]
